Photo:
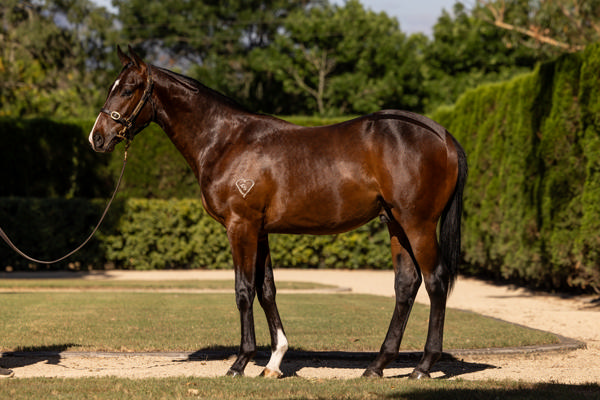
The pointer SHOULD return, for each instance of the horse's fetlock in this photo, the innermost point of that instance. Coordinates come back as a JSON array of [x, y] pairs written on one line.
[[389, 355], [434, 355], [248, 351]]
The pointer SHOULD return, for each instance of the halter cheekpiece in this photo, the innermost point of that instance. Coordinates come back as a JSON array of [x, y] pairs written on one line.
[[127, 123]]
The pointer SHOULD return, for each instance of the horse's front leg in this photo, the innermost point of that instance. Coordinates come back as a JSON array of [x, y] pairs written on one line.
[[265, 286], [243, 239]]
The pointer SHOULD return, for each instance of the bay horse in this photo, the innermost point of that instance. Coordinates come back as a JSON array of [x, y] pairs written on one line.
[[262, 175]]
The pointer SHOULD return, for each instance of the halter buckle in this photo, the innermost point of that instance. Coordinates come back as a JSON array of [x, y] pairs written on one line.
[[115, 115]]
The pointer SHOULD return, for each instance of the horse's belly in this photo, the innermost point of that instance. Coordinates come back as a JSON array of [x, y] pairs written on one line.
[[321, 213]]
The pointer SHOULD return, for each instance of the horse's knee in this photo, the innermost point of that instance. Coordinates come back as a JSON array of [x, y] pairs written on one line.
[[244, 298]]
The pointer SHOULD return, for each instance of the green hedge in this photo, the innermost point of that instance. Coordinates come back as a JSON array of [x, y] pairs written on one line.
[[56, 162], [49, 228], [46, 158], [164, 234], [532, 200]]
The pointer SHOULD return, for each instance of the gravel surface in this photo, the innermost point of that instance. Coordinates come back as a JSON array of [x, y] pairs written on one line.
[[577, 318]]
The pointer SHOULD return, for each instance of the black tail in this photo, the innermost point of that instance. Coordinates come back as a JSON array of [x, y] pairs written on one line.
[[451, 219]]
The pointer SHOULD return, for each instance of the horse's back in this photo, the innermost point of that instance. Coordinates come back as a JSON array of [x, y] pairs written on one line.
[[340, 175]]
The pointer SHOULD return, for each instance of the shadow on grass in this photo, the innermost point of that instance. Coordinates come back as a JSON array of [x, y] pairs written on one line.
[[501, 390], [23, 358], [295, 360]]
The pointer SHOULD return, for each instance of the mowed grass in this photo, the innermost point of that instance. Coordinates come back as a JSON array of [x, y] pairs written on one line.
[[125, 321], [288, 388], [93, 284]]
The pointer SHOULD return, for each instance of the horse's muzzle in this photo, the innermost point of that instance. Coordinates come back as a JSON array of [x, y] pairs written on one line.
[[97, 141], [101, 144]]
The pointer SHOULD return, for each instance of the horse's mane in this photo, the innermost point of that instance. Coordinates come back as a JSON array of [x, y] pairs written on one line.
[[196, 87]]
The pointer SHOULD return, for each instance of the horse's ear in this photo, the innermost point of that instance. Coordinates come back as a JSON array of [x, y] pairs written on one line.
[[123, 57], [137, 60]]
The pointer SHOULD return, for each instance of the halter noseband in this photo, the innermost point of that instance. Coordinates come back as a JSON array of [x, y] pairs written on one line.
[[127, 123]]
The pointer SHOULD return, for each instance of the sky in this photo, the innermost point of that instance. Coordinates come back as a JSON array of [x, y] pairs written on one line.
[[414, 16]]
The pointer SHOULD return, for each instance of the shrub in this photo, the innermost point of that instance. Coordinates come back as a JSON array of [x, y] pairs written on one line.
[[162, 234], [46, 158], [47, 229]]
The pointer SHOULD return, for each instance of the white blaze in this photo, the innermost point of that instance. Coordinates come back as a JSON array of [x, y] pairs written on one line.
[[114, 86], [91, 137]]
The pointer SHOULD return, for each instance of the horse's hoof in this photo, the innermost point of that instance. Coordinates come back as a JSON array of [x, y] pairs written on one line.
[[234, 374], [269, 373], [371, 373], [416, 374]]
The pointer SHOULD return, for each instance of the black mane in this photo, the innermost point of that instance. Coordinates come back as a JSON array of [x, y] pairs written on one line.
[[197, 87]]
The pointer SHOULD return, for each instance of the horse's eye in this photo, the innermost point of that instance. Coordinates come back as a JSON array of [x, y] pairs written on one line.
[[127, 93]]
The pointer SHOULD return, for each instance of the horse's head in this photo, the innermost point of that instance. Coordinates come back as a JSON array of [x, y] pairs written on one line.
[[128, 108]]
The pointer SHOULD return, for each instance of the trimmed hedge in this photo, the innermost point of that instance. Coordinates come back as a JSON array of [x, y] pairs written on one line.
[[46, 158], [164, 234], [47, 229], [531, 211], [532, 200], [138, 233]]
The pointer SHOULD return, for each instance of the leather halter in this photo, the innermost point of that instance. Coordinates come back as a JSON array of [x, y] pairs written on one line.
[[127, 123]]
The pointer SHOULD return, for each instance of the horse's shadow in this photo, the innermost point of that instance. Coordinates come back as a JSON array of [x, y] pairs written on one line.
[[295, 360], [33, 355]]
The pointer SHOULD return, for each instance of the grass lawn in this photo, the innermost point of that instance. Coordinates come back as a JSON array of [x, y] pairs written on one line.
[[288, 388], [125, 321], [84, 284], [35, 319]]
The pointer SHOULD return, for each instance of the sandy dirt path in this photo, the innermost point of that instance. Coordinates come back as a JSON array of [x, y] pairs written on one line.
[[575, 318]]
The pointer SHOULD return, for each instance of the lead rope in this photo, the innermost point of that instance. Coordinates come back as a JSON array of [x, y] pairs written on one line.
[[10, 243]]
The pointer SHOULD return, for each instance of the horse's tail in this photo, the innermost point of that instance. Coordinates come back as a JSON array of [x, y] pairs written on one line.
[[451, 219]]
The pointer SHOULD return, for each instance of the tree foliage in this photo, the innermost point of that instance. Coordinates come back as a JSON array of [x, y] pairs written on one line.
[[335, 58], [51, 57], [551, 26], [209, 40], [465, 52], [286, 57]]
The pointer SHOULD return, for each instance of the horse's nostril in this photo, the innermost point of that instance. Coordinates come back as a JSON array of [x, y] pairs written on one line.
[[98, 140]]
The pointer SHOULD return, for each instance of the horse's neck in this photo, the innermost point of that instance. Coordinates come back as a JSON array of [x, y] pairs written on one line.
[[196, 123]]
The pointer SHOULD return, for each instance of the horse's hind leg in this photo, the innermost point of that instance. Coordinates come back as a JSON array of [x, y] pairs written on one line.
[[428, 261], [406, 284], [265, 287], [437, 284]]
